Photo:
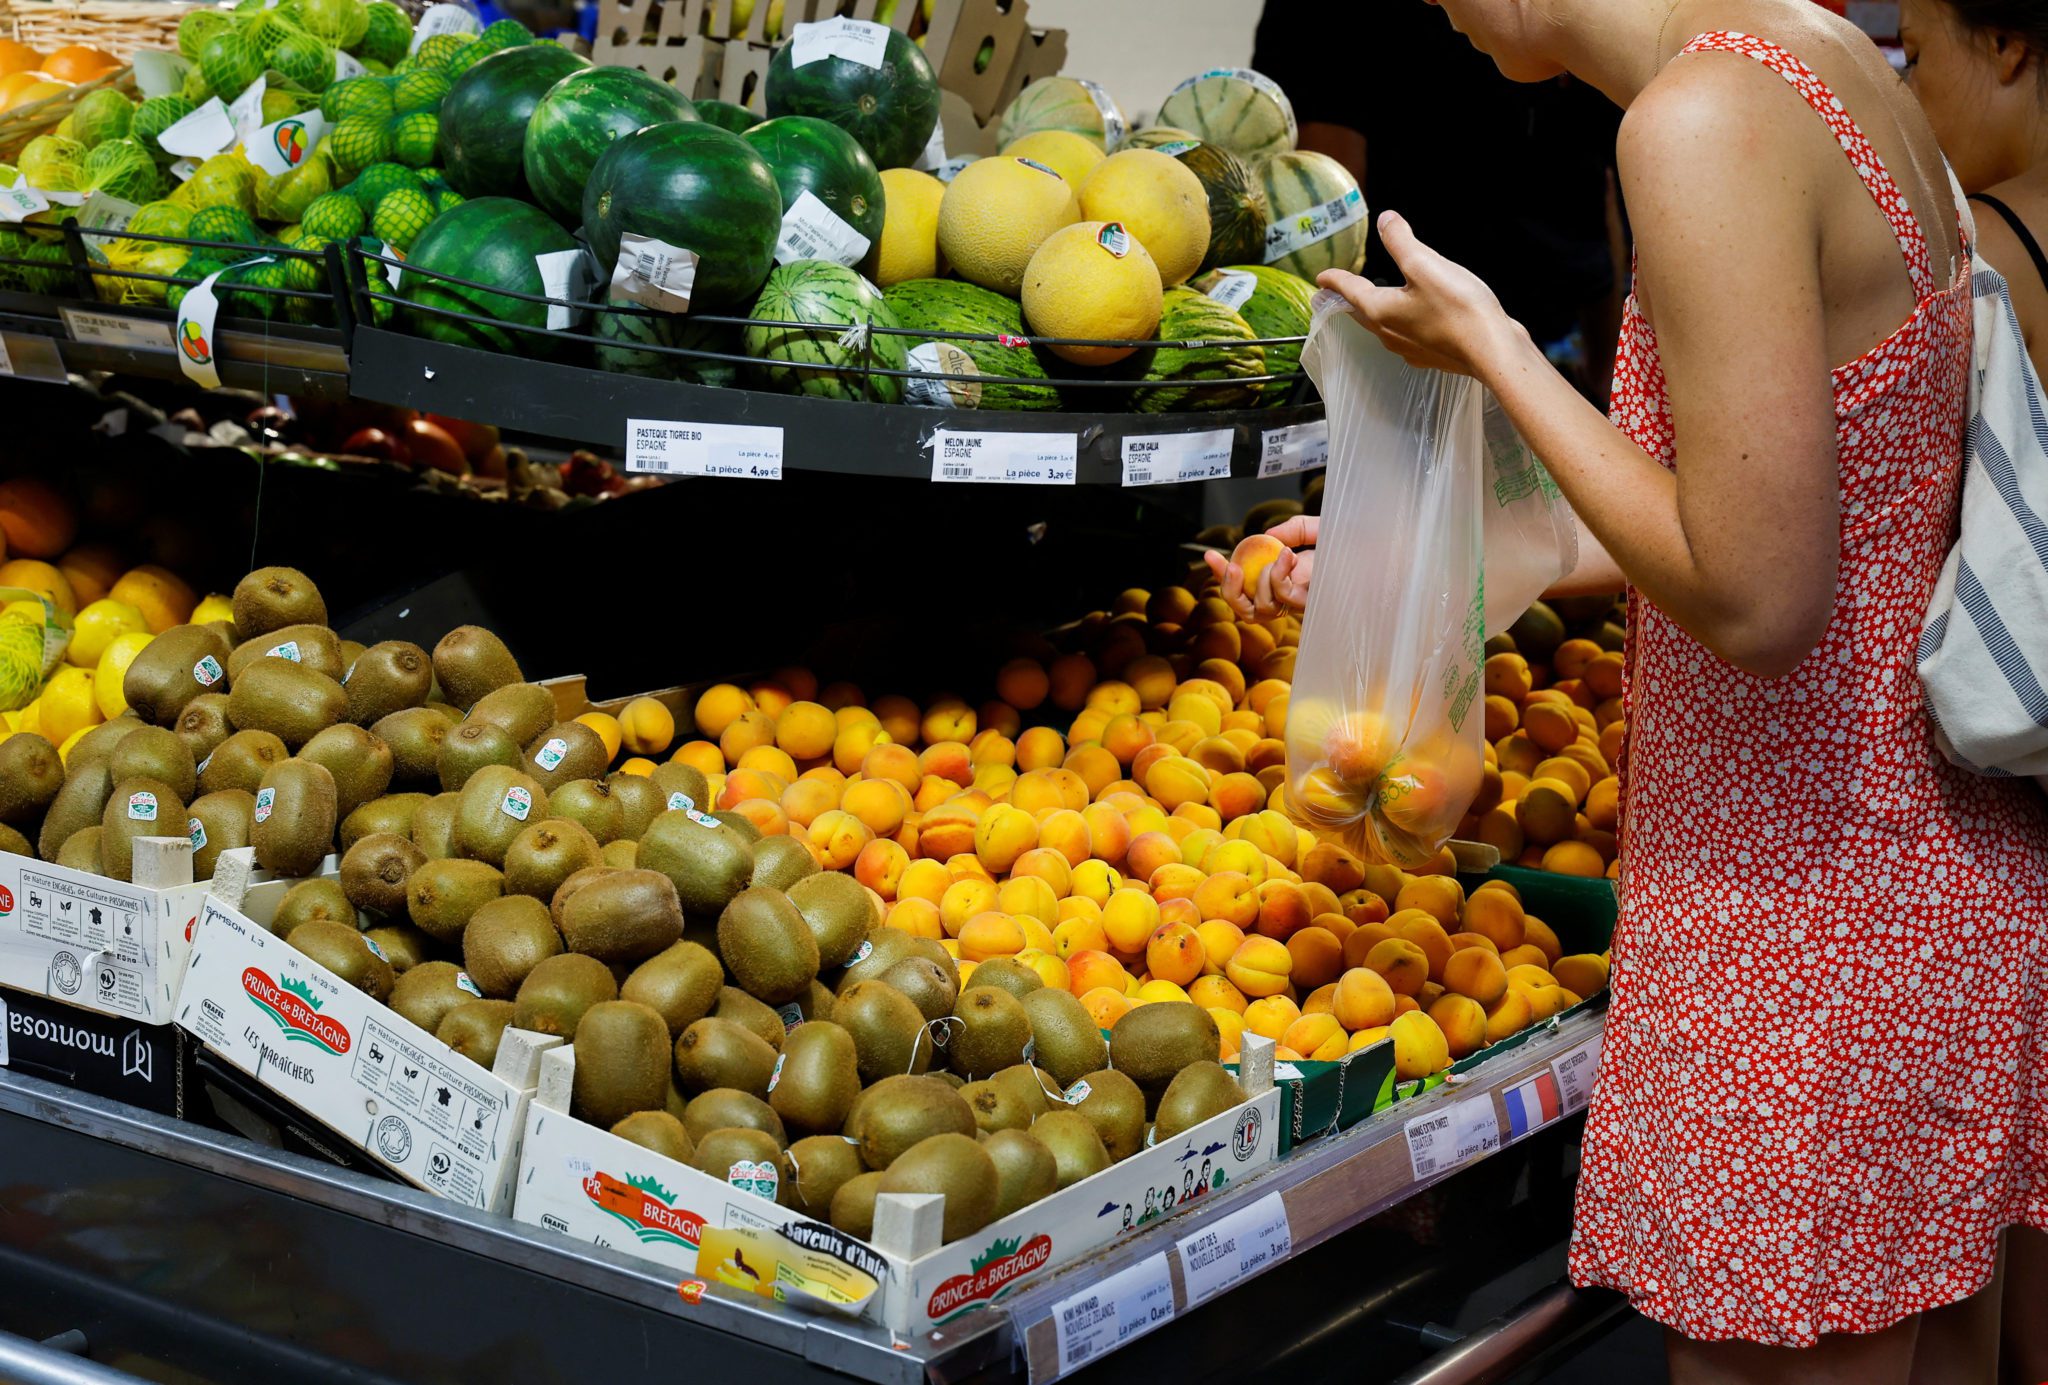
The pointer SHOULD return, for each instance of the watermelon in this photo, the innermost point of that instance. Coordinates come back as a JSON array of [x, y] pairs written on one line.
[[1235, 107], [578, 118], [835, 298], [1064, 103], [695, 187], [1188, 316], [1273, 303], [489, 240], [892, 109], [1318, 215], [948, 305], [628, 331], [484, 117], [726, 116], [816, 156]]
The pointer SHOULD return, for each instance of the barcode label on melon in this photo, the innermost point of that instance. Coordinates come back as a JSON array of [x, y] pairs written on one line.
[[566, 275], [738, 450], [1233, 288], [1153, 459], [813, 231], [1113, 127], [1285, 235], [654, 273], [856, 40], [1257, 79], [942, 358], [1015, 459]]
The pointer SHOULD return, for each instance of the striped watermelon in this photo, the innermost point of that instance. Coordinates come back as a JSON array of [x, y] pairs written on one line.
[[948, 305], [1235, 107], [836, 298], [1309, 194], [577, 120], [627, 334], [1273, 303], [485, 114], [1064, 103], [698, 188], [726, 116], [1187, 316]]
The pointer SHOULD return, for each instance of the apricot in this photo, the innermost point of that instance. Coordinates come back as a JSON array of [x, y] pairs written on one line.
[[1239, 856], [925, 879], [703, 756], [1362, 941], [1174, 881], [804, 800], [1420, 1047], [1318, 958], [1317, 1037], [964, 899], [1237, 794], [880, 803], [1502, 717], [1062, 833], [1090, 767], [840, 836], [1537, 934], [1149, 851], [1426, 933], [1003, 835], [1362, 999], [1575, 858], [1366, 1038], [1216, 993], [1612, 739], [1220, 939], [1226, 674], [1463, 1022], [917, 917], [1105, 1005], [880, 866], [947, 760], [1108, 833], [1583, 973], [1079, 934], [1528, 974], [1476, 972], [1270, 1017], [1129, 918], [1229, 1033], [769, 759], [1094, 880], [1320, 899], [1174, 953], [1363, 907], [1283, 909], [1439, 896], [1547, 812], [1518, 755], [1500, 829], [1191, 709], [1508, 676], [1029, 897], [1260, 966], [1404, 965]]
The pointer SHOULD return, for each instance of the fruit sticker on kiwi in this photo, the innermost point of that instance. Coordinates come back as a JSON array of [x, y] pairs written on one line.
[[288, 650], [856, 40], [552, 754], [206, 673], [775, 1076], [462, 980], [201, 767], [680, 802], [1077, 1093], [702, 819], [756, 1176], [378, 952], [142, 806], [518, 803], [1114, 238], [197, 830], [860, 954], [264, 799], [791, 1016]]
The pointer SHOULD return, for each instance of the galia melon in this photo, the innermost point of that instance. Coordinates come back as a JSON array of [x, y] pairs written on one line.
[[1160, 201], [996, 214]]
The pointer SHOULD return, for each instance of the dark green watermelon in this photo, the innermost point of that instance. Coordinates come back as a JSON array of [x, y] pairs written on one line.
[[484, 116], [892, 109], [578, 119], [629, 334], [698, 188], [726, 116], [488, 240], [816, 156]]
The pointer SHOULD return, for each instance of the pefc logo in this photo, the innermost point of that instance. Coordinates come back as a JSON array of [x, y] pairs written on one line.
[[192, 342]]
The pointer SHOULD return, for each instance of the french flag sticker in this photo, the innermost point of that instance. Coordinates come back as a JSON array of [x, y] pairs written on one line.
[[1532, 1105]]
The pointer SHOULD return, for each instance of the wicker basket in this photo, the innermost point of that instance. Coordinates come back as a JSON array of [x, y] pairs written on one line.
[[120, 27], [24, 123]]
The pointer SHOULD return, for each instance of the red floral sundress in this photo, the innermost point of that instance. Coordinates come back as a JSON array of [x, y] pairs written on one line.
[[1824, 1084]]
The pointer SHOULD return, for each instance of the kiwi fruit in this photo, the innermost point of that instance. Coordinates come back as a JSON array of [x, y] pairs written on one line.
[[888, 1031], [626, 916], [386, 678], [589, 804], [931, 988], [955, 1167], [469, 662], [1025, 1169], [78, 805], [96, 745], [12, 843], [622, 1063], [620, 855], [241, 761], [1065, 1041], [404, 946], [899, 1112], [497, 804], [681, 983], [271, 598], [391, 813], [1037, 1091], [172, 669], [639, 804], [471, 746], [676, 778], [992, 1032], [312, 901], [815, 1004], [414, 735], [853, 1205], [718, 1053], [779, 862], [659, 1132], [735, 1156], [1007, 974], [30, 776], [545, 854], [1115, 1106], [1153, 1042], [203, 725], [292, 828], [346, 953], [838, 911], [1077, 1148], [315, 646], [81, 850], [555, 994], [474, 1028], [995, 1107], [433, 826], [884, 948], [441, 896], [505, 940], [360, 763], [766, 945], [725, 1109], [139, 807], [565, 752], [566, 891], [427, 992], [289, 700], [218, 822], [709, 865], [374, 872], [749, 831], [816, 1079], [521, 710], [1198, 1092], [739, 1007], [815, 1168]]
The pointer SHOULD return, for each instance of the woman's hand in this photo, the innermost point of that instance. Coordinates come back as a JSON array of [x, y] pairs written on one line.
[[1444, 318], [1282, 584]]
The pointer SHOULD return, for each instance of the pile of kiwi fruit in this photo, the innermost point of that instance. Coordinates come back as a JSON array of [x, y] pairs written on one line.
[[729, 1002]]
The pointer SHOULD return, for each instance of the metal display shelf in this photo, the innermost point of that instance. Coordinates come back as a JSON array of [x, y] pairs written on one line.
[[46, 338], [293, 1259]]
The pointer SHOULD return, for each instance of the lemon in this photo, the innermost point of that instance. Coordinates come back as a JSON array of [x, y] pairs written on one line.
[[29, 718], [68, 705], [607, 728], [1093, 279], [1163, 204], [96, 627], [113, 670], [910, 226], [64, 750], [22, 613], [214, 607], [997, 213], [1071, 156]]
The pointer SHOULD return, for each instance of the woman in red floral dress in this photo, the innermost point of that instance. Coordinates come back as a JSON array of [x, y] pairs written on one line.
[[1824, 1090]]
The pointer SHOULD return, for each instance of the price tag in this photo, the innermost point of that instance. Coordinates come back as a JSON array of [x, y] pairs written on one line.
[[21, 202], [346, 66], [1235, 1248], [1233, 288], [103, 212], [813, 231], [1298, 447], [1446, 1138], [1153, 459], [1286, 235], [201, 134], [1016, 459], [703, 449], [566, 274], [1574, 1072], [856, 40], [1104, 1316], [283, 145], [444, 19], [654, 273], [111, 329]]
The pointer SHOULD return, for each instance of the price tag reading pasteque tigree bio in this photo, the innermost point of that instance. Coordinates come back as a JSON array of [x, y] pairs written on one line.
[[744, 451], [1019, 459]]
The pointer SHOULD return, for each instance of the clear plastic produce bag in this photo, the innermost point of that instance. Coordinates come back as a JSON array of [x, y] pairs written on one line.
[[1439, 527]]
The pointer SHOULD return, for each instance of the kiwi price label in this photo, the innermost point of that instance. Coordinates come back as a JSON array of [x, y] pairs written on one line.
[[462, 980], [376, 949], [791, 1016], [1102, 1317], [856, 40], [142, 806], [680, 802], [736, 450], [265, 798], [1298, 447], [860, 953], [206, 673], [1003, 458], [1154, 459], [702, 819], [1078, 1093], [813, 231], [518, 803], [776, 1075], [552, 754]]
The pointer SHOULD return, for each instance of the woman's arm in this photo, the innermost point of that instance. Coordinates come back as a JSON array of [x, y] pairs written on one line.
[[1597, 574], [1741, 546]]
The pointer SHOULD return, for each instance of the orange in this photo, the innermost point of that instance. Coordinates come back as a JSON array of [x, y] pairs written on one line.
[[161, 596], [42, 89], [77, 63], [91, 568], [42, 578], [38, 522], [18, 57]]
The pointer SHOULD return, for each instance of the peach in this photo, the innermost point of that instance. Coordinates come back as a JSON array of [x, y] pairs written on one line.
[[880, 866], [1260, 966], [1174, 953], [1094, 766], [1509, 1015], [1283, 910], [1040, 747], [880, 803], [1463, 1022], [1317, 1037], [917, 917], [1228, 896], [840, 836], [1129, 918], [1363, 1000], [1420, 1048], [1404, 965], [1105, 1005], [1076, 935], [963, 900], [1004, 834], [1174, 881], [1497, 916], [1270, 1017], [1318, 958]]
